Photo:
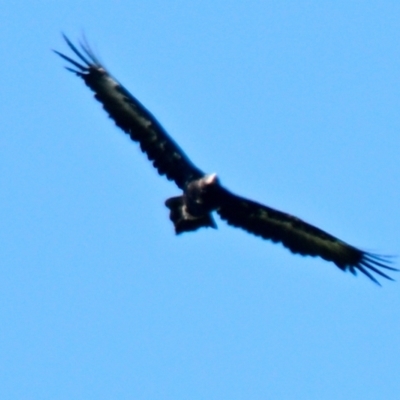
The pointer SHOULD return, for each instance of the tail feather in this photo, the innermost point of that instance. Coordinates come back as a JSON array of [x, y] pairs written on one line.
[[183, 221]]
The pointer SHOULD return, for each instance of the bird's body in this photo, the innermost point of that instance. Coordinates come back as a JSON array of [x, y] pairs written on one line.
[[202, 194]]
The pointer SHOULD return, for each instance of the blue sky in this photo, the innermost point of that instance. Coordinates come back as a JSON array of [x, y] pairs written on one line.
[[294, 104]]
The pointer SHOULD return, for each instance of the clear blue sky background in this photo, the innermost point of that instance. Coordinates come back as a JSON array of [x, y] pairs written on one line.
[[295, 104]]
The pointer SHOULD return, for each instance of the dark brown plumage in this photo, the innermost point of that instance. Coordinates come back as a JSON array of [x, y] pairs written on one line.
[[203, 194]]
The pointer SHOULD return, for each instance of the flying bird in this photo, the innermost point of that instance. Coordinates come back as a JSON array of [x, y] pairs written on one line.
[[203, 194]]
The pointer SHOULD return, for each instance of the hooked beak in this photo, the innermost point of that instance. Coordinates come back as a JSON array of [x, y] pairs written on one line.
[[211, 179]]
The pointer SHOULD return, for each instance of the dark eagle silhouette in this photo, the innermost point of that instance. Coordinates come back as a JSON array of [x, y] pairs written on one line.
[[203, 193]]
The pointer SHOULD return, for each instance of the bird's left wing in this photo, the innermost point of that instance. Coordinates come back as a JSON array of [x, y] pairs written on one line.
[[297, 235], [133, 118]]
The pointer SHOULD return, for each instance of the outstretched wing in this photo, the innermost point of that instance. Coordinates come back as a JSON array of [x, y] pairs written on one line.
[[133, 118], [297, 235]]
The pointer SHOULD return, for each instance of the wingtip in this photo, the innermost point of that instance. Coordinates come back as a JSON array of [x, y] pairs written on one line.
[[375, 262], [75, 50], [70, 60]]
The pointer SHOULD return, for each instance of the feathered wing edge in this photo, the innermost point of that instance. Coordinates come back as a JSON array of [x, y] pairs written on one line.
[[132, 117], [298, 236]]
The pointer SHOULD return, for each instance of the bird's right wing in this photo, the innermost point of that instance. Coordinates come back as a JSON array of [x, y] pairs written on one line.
[[296, 235], [133, 118]]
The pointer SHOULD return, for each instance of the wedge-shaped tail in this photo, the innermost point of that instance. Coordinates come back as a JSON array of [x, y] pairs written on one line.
[[183, 221]]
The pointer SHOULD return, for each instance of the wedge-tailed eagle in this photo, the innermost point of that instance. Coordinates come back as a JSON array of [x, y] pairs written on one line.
[[202, 194]]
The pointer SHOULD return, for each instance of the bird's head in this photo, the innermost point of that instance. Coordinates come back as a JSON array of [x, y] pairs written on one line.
[[210, 180]]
